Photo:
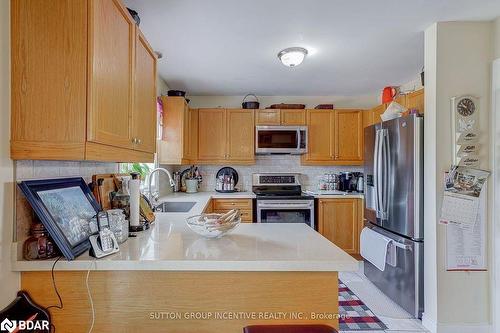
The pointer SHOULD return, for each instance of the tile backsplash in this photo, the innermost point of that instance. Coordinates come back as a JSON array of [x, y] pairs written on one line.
[[270, 163], [29, 169]]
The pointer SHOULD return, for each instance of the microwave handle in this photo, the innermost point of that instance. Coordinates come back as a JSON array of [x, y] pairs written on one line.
[[298, 139]]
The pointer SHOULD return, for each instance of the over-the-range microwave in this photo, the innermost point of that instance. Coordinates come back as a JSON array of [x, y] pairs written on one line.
[[281, 140]]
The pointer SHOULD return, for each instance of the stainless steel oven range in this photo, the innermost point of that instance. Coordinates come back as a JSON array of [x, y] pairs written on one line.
[[280, 199]]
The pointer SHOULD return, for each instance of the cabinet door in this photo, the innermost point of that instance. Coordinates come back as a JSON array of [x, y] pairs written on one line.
[[267, 117], [339, 222], [319, 129], [49, 79], [211, 134], [240, 135], [348, 135], [111, 66], [415, 100], [144, 114], [193, 135], [377, 111], [293, 117]]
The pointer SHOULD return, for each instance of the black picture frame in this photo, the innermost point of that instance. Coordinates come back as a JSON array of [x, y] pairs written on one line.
[[32, 190]]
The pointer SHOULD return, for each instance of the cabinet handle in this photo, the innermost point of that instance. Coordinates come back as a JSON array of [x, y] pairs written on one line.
[[134, 140], [139, 141]]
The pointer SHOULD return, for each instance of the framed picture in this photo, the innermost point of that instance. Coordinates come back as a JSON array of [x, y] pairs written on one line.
[[65, 207]]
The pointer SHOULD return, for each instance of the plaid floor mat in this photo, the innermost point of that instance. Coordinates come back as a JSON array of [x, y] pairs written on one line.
[[354, 314]]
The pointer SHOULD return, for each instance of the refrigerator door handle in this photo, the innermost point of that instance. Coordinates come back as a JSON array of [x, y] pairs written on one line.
[[376, 170], [385, 152]]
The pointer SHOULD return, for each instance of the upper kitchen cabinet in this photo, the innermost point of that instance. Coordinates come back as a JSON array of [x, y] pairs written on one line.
[[212, 135], [267, 117], [179, 143], [226, 135], [143, 119], [348, 136], [280, 117], [83, 83], [111, 74], [377, 111], [335, 137], [293, 117], [240, 135], [415, 100], [319, 137]]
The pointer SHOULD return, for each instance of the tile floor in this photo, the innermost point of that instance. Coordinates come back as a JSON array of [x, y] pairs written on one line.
[[392, 315]]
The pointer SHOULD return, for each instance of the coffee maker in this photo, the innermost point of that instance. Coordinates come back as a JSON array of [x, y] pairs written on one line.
[[348, 181]]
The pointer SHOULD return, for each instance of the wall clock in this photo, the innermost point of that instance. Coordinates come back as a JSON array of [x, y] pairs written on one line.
[[465, 129]]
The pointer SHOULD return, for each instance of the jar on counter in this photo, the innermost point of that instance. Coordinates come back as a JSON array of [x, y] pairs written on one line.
[[118, 224], [39, 245]]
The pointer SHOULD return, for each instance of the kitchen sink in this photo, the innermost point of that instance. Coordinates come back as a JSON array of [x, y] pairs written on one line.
[[175, 207]]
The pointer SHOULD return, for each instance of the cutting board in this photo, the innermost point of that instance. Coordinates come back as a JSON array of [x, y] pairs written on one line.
[[108, 184]]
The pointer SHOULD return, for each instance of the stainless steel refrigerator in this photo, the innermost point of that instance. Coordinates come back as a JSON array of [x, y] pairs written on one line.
[[394, 206]]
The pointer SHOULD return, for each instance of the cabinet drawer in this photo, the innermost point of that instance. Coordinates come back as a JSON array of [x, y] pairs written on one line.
[[246, 215], [228, 204]]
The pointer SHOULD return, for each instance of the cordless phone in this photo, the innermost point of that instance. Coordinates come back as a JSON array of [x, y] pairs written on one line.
[[105, 242]]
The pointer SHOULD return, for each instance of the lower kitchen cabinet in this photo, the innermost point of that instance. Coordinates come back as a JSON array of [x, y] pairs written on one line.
[[340, 221], [244, 205]]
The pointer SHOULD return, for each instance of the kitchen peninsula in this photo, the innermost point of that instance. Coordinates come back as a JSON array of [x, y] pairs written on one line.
[[170, 278]]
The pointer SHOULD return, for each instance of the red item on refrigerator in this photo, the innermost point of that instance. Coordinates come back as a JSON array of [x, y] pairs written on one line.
[[388, 94]]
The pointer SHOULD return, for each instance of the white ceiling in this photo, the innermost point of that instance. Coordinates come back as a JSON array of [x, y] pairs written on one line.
[[229, 47]]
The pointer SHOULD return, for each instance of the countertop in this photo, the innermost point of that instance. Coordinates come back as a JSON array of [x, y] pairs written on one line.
[[171, 246]]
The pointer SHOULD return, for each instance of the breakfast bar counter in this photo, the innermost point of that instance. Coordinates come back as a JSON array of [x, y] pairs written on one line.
[[169, 278]]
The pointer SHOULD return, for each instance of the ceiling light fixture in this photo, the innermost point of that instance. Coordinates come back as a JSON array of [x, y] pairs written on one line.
[[292, 56]]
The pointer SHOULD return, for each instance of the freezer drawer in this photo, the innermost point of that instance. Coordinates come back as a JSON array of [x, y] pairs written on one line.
[[404, 283]]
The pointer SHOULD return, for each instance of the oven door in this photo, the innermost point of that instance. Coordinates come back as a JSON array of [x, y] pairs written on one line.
[[286, 211], [281, 139]]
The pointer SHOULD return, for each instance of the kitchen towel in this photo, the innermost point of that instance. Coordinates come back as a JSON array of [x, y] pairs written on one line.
[[374, 247]]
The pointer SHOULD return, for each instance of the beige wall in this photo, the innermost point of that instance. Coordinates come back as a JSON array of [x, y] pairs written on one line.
[[9, 281], [458, 301]]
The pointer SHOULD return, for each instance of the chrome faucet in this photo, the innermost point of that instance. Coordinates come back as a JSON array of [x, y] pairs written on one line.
[[152, 197]]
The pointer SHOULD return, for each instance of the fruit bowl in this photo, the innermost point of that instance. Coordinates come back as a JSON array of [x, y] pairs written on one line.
[[214, 225]]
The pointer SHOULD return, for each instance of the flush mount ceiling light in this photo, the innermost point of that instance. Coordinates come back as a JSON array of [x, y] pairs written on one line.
[[292, 56]]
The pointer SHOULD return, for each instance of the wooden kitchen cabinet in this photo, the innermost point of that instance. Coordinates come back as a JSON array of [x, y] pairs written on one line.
[[290, 117], [179, 142], [415, 100], [293, 117], [348, 135], [212, 135], [340, 222], [240, 135], [335, 137], [226, 135], [377, 111], [267, 117], [225, 205], [144, 118], [320, 127], [76, 89]]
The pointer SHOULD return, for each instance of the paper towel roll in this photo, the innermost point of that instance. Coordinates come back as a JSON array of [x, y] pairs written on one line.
[[135, 194]]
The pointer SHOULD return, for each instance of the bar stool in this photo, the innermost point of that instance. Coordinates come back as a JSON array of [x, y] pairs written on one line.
[[289, 329]]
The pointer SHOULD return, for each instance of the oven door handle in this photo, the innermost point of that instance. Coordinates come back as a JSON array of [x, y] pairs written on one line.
[[290, 206]]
